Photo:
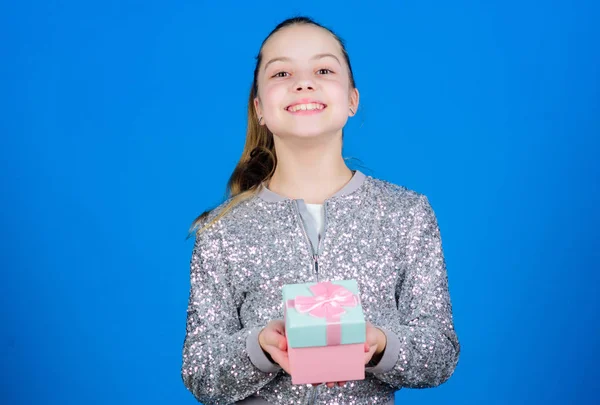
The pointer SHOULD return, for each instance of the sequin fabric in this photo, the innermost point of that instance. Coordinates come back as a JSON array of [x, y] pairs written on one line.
[[384, 236]]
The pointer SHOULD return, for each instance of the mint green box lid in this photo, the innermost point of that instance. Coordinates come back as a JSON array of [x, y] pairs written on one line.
[[305, 330]]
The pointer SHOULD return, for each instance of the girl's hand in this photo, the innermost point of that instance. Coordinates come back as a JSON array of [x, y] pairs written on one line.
[[273, 341], [374, 346], [375, 343], [331, 384]]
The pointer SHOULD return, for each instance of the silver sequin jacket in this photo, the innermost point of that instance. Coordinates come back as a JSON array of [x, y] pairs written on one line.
[[383, 235]]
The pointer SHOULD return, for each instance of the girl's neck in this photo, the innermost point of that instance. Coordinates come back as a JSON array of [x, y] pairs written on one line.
[[311, 169], [313, 186]]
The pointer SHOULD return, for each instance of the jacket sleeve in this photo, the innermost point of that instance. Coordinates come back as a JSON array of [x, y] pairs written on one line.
[[217, 368], [422, 348]]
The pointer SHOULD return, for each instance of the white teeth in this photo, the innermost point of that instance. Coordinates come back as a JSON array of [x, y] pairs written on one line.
[[304, 107]]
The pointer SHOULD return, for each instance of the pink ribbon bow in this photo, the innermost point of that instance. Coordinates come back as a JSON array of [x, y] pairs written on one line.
[[328, 302]]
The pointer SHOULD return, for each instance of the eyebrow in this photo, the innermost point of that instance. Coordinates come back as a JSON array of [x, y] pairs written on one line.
[[317, 56]]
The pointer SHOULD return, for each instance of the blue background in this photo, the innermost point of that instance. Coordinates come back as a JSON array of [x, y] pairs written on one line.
[[122, 121]]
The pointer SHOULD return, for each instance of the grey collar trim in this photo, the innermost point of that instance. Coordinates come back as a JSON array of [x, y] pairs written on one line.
[[355, 182]]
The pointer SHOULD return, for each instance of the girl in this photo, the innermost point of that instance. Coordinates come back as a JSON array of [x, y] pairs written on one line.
[[296, 214]]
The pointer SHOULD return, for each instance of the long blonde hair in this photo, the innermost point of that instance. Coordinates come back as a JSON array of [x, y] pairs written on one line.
[[258, 161]]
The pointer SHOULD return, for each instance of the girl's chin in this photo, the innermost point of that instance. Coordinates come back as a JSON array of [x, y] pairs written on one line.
[[308, 133], [307, 126]]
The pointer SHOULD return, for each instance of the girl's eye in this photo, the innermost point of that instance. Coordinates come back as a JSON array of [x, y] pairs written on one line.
[[283, 74]]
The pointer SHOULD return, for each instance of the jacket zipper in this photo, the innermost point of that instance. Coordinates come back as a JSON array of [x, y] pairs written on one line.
[[314, 396], [315, 256]]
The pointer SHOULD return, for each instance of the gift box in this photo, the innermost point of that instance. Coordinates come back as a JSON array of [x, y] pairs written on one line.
[[325, 330]]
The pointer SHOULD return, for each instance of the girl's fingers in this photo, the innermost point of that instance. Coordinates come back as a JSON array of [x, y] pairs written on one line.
[[279, 327], [267, 336], [282, 343], [281, 358], [272, 338], [370, 354], [331, 384]]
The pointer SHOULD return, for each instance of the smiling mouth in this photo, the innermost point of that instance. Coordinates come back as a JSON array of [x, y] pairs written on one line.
[[306, 107]]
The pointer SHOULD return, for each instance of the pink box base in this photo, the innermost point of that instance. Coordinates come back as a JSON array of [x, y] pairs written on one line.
[[327, 364]]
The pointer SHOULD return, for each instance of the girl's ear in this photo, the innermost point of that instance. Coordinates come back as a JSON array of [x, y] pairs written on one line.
[[354, 99], [257, 108]]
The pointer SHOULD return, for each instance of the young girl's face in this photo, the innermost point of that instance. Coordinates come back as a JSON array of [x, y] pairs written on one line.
[[303, 64]]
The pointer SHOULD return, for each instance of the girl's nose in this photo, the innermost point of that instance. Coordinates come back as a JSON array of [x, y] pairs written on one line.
[[304, 84]]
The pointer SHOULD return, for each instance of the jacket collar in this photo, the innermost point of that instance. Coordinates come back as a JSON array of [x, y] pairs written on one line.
[[355, 182]]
